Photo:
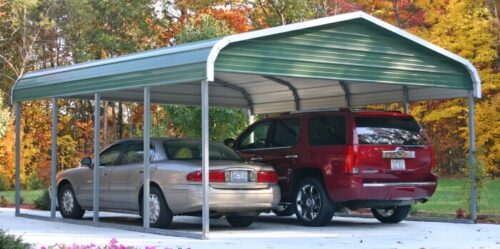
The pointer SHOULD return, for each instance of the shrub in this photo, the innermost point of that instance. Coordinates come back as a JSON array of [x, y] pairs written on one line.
[[43, 202], [12, 241], [33, 182], [3, 201], [4, 183]]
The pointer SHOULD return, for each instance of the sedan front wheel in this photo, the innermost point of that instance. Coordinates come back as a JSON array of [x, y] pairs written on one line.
[[68, 206]]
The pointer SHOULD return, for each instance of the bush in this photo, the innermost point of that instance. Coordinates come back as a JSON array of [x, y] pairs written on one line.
[[43, 202], [4, 183], [12, 241], [33, 182], [3, 201]]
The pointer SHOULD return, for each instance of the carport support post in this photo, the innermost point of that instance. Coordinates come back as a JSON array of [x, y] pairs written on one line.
[[251, 117], [472, 159], [53, 170], [17, 107], [147, 124], [97, 165], [406, 104], [205, 212]]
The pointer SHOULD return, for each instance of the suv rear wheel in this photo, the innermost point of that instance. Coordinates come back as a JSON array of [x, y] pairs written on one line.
[[391, 215], [312, 204]]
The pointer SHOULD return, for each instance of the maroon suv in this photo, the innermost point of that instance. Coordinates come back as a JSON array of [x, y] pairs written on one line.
[[327, 160]]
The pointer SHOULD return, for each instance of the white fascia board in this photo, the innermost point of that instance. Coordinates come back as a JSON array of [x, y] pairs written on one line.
[[334, 19]]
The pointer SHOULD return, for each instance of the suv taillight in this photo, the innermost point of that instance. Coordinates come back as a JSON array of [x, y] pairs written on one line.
[[350, 159], [214, 176]]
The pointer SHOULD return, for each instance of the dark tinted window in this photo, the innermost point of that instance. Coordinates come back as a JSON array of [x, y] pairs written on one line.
[[286, 133], [110, 155], [135, 153], [326, 130], [191, 150], [255, 138], [381, 130]]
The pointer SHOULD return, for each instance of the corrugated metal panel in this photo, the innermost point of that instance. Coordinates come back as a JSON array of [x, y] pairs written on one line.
[[356, 50], [307, 61], [162, 66]]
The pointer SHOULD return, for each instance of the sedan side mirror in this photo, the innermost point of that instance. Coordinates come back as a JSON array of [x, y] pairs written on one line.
[[229, 142], [86, 161]]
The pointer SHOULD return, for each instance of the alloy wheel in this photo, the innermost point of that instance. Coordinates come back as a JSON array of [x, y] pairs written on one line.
[[308, 202]]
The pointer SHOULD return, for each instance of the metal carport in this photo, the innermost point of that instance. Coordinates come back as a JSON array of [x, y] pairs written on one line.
[[346, 60]]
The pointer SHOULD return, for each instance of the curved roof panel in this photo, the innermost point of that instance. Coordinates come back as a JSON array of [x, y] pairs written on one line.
[[349, 59]]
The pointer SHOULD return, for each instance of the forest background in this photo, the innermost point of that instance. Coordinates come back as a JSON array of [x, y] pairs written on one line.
[[40, 34]]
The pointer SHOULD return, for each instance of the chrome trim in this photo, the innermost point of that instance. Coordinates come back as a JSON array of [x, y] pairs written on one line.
[[399, 184], [267, 148]]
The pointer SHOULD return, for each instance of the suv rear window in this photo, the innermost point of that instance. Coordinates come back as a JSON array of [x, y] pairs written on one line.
[[389, 130], [326, 130]]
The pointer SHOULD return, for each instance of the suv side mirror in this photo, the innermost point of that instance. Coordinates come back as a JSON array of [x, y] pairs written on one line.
[[86, 161], [229, 142]]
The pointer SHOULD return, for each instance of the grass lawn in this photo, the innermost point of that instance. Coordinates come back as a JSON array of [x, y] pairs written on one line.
[[451, 195], [28, 195]]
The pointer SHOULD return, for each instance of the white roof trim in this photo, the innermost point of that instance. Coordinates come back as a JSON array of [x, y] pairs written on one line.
[[334, 19]]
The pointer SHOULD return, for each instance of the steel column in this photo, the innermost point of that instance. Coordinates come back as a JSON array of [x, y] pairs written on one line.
[[406, 101], [251, 117], [147, 124], [53, 170], [472, 159], [97, 165], [17, 107], [347, 93], [204, 147]]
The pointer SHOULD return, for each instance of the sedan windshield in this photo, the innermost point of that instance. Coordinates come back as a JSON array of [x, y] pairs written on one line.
[[191, 150]]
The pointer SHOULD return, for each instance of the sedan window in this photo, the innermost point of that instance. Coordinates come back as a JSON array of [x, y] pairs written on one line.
[[110, 155], [135, 153], [191, 150]]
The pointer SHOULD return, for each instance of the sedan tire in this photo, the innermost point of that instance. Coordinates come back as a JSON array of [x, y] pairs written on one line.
[[160, 215], [312, 204], [240, 221], [391, 215], [68, 205]]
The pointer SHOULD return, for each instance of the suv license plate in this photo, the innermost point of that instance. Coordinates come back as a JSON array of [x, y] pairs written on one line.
[[398, 164], [239, 176]]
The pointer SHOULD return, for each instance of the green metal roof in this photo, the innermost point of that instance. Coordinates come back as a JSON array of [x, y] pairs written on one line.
[[276, 69]]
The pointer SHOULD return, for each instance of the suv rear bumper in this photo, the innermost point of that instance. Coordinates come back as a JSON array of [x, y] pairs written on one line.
[[355, 188]]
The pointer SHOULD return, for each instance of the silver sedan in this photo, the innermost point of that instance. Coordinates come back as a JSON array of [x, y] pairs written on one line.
[[238, 190]]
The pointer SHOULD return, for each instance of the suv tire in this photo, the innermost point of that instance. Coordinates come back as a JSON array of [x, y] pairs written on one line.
[[312, 204], [391, 215]]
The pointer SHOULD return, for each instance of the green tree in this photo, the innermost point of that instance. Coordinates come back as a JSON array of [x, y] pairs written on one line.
[[224, 122]]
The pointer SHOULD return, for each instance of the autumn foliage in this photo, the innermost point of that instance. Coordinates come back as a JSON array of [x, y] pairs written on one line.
[[39, 34]]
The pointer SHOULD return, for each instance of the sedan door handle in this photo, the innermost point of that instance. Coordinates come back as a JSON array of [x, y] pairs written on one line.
[[140, 171], [257, 158], [291, 156]]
